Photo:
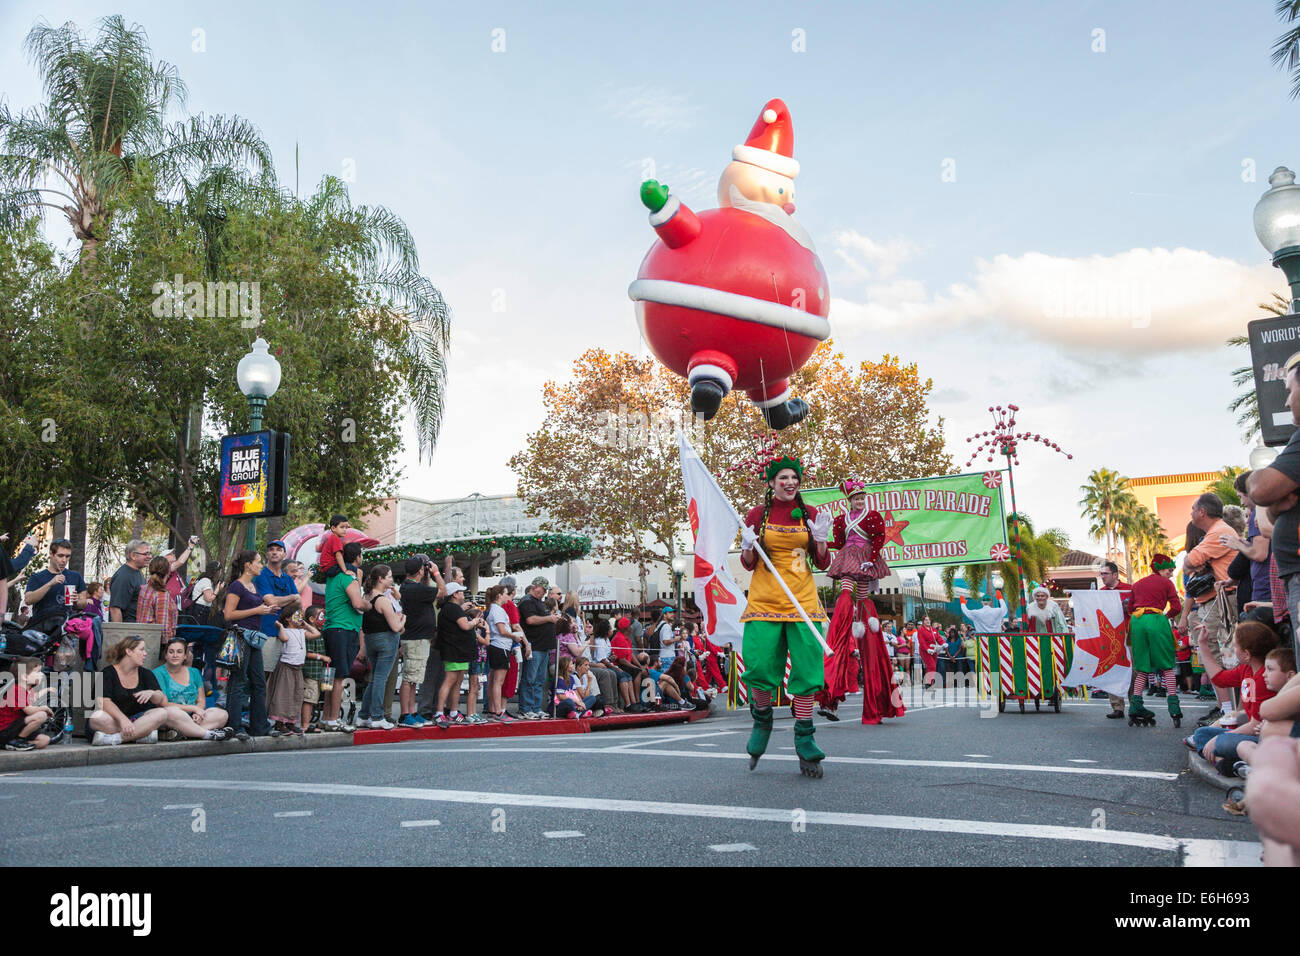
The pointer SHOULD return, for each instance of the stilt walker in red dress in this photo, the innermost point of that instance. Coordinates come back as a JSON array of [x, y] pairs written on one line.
[[855, 627]]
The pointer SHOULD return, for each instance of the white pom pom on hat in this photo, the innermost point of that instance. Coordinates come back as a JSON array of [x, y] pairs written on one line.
[[770, 144]]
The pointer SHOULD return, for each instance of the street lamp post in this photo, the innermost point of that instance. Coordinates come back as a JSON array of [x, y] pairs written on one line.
[[258, 375], [1277, 224], [680, 564], [921, 574]]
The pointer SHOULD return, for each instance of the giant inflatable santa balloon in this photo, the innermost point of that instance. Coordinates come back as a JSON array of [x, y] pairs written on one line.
[[736, 297]]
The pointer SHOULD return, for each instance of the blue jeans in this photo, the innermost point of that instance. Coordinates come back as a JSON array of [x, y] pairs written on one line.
[[248, 685], [532, 682], [381, 651], [1225, 742]]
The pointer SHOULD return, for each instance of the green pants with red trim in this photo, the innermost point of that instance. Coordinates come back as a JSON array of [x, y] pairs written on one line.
[[1151, 640], [766, 644]]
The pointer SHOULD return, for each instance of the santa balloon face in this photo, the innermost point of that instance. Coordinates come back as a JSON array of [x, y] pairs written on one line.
[[756, 184]]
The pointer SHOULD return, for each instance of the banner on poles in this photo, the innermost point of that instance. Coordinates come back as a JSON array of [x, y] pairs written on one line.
[[953, 519]]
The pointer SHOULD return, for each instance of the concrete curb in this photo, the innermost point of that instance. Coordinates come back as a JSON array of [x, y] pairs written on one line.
[[1199, 767], [79, 754]]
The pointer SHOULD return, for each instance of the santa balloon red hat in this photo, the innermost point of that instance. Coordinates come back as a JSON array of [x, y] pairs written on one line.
[[770, 144]]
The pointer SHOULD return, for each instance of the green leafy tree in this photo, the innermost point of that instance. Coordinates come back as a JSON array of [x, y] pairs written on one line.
[[103, 122], [1105, 499], [1286, 48], [1039, 552], [1223, 485]]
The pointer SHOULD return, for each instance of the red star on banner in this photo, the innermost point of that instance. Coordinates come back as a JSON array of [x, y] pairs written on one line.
[[894, 529], [1107, 647], [714, 592]]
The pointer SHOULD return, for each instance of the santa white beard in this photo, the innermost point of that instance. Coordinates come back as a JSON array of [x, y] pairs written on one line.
[[775, 215], [1043, 614]]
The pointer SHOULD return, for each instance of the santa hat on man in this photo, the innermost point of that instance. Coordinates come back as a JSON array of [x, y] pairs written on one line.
[[770, 144]]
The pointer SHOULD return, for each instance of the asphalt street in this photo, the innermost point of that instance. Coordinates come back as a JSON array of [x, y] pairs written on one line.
[[943, 786]]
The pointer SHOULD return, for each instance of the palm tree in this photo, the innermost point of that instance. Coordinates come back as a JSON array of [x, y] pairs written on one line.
[[1223, 485], [103, 120], [1286, 49], [1145, 538], [104, 117], [974, 575], [386, 260], [1246, 404], [1038, 553], [1105, 497]]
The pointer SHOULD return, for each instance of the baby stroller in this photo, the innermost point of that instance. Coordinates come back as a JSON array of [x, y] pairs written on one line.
[[29, 642]]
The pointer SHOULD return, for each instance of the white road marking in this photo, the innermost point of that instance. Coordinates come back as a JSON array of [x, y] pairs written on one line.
[[974, 755], [1220, 853], [97, 800], [880, 751], [641, 741], [732, 847], [562, 834], [706, 745], [182, 806], [1193, 852], [852, 761], [1080, 760], [421, 823], [294, 813]]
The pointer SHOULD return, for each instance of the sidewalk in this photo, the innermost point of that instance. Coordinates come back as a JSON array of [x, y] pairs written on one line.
[[77, 752]]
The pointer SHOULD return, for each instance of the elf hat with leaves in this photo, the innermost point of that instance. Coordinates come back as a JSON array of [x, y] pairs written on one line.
[[1162, 562], [777, 465]]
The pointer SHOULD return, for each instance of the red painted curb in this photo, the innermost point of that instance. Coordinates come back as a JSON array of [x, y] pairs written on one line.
[[525, 728]]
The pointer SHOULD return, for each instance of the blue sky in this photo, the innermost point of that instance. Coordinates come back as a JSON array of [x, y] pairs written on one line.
[[1123, 173]]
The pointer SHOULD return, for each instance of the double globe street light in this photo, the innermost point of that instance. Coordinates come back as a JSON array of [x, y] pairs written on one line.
[[258, 375]]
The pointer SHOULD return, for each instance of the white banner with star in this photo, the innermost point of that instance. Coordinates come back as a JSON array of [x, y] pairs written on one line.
[[1100, 643]]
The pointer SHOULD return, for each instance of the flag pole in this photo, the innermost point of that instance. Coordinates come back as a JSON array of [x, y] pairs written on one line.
[[826, 648]]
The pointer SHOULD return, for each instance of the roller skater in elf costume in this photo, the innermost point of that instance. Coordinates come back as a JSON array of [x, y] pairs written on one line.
[[858, 537], [791, 533], [1151, 640]]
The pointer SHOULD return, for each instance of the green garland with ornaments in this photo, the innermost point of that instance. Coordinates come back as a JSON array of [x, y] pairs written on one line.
[[553, 547]]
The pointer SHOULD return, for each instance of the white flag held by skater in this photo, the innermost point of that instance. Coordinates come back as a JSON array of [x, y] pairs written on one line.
[[1100, 643], [714, 526]]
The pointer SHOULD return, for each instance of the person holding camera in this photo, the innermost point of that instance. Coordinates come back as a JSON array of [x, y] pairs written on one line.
[[458, 645]]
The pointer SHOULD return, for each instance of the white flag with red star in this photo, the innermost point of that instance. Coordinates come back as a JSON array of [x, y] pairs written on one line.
[[1100, 643], [714, 525]]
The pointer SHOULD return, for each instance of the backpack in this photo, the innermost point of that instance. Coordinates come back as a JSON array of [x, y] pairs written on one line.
[[187, 597], [217, 611]]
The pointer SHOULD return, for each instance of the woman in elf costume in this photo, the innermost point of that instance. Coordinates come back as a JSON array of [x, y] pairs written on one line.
[[791, 533], [858, 567]]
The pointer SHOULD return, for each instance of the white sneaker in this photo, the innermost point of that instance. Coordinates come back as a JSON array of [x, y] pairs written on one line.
[[151, 739], [380, 724], [102, 739], [363, 722]]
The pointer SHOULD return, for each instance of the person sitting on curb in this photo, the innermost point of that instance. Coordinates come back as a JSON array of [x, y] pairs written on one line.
[[1252, 641], [183, 687], [21, 721], [1280, 714], [133, 707]]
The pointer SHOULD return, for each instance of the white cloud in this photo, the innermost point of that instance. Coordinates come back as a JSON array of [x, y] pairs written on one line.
[[653, 107], [1142, 300], [869, 259]]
